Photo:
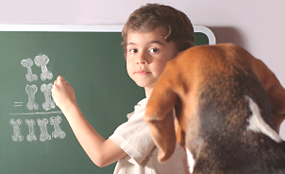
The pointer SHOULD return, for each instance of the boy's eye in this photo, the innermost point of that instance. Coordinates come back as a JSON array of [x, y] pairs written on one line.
[[133, 51], [153, 50]]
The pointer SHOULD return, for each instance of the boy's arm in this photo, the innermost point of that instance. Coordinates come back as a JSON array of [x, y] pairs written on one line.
[[102, 152]]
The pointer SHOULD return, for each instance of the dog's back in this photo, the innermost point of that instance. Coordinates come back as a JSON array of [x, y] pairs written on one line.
[[236, 124], [223, 109]]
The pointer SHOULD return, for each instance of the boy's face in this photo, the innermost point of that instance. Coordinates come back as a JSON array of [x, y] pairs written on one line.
[[147, 54]]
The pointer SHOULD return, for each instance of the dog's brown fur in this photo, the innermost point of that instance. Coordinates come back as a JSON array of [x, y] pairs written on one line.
[[207, 85]]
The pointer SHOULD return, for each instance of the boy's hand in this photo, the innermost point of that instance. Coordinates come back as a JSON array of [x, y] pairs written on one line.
[[62, 93]]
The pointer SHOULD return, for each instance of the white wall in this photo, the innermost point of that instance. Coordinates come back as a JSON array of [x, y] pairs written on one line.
[[257, 25]]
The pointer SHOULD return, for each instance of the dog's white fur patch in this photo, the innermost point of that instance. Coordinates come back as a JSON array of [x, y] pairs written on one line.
[[191, 161], [257, 124]]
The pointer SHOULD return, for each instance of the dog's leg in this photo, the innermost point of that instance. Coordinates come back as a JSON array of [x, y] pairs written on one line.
[[180, 134], [274, 90]]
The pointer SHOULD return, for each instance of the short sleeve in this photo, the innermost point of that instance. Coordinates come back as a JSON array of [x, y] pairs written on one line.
[[134, 137]]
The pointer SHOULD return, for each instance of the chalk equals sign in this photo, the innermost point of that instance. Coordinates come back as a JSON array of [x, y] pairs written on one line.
[[18, 104]]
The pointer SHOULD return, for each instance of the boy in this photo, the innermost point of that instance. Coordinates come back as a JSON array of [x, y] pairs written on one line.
[[152, 35]]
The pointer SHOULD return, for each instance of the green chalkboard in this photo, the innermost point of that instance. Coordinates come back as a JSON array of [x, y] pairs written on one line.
[[34, 135]]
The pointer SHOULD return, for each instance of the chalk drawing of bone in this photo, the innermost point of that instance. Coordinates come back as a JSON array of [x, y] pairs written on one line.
[[42, 61], [49, 103], [16, 130], [43, 127], [28, 63], [31, 136], [55, 121], [31, 91]]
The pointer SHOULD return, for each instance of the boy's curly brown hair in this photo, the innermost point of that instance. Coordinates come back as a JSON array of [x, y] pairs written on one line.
[[177, 26]]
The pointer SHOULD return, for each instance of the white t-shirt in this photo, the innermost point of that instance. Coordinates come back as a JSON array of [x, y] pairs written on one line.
[[134, 138]]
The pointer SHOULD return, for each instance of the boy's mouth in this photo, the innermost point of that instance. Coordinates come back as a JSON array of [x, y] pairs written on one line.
[[141, 72]]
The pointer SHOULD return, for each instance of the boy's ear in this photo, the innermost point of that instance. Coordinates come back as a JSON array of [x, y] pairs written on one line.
[[163, 134]]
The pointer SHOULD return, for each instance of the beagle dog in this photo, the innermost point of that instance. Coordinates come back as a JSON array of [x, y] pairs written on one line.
[[228, 107]]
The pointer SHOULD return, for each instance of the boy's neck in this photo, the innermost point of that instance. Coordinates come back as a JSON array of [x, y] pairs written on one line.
[[147, 91]]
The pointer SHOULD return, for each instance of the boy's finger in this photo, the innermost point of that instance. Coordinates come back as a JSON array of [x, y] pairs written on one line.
[[60, 78]]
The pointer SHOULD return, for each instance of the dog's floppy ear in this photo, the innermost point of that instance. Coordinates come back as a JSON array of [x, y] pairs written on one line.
[[159, 117], [163, 134]]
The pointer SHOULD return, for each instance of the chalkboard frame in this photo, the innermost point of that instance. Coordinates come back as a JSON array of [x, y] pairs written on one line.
[[92, 28]]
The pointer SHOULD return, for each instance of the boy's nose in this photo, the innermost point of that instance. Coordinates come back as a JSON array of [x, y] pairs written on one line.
[[141, 59]]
